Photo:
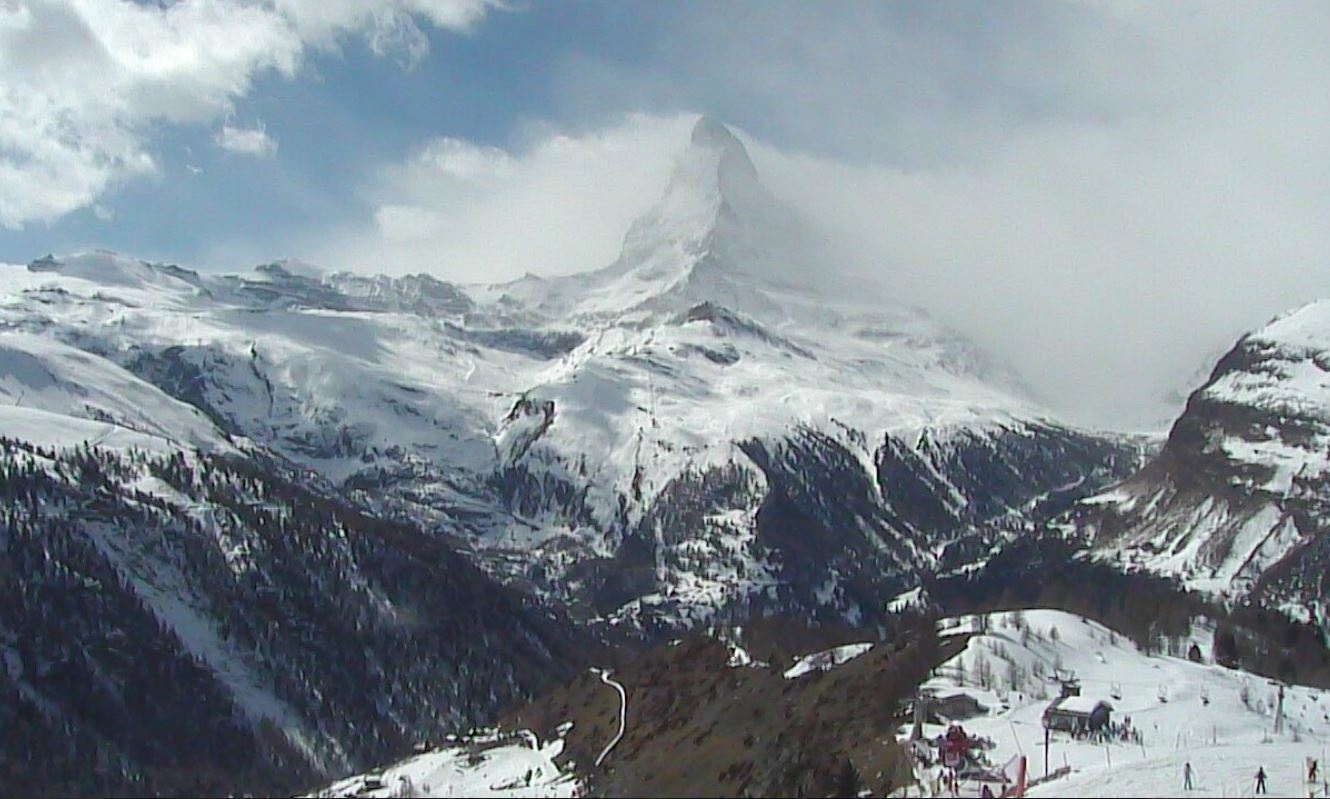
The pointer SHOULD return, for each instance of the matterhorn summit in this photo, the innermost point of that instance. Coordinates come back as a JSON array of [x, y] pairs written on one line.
[[713, 179], [713, 171], [716, 234]]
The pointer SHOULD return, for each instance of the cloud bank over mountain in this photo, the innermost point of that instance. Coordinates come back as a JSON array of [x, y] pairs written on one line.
[[1101, 193]]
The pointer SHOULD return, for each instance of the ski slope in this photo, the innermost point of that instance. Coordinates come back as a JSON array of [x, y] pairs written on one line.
[[1185, 712], [1228, 769]]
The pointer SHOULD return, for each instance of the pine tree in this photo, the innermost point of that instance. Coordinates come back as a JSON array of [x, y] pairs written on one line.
[[1226, 647], [848, 782]]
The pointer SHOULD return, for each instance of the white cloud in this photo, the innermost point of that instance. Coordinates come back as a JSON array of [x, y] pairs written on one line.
[[458, 159], [253, 141], [559, 204], [1131, 191], [85, 80]]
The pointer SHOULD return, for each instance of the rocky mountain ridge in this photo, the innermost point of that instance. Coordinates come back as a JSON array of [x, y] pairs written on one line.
[[1237, 500]]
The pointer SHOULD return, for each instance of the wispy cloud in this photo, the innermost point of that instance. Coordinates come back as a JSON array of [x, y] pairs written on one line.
[[253, 141], [86, 80], [558, 204]]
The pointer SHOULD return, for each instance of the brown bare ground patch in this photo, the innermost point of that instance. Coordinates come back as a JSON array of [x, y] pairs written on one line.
[[697, 727]]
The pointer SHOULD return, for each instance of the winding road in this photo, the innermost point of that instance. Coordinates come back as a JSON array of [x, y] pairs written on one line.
[[623, 709]]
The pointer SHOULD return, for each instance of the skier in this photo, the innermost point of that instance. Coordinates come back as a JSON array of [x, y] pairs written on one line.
[[1186, 777], [1260, 779], [1312, 769]]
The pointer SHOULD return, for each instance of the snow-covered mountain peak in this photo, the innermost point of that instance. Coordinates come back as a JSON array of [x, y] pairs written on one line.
[[1279, 374], [111, 269], [290, 269], [1236, 500], [713, 180], [721, 155], [718, 235], [1307, 327], [708, 132]]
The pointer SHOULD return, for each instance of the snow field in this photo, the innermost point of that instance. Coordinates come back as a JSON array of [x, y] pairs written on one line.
[[481, 765], [825, 660]]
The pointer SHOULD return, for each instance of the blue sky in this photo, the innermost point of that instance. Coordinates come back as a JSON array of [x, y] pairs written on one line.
[[343, 113], [1091, 189]]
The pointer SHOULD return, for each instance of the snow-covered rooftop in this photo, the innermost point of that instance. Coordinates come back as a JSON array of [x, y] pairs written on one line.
[[1084, 705]]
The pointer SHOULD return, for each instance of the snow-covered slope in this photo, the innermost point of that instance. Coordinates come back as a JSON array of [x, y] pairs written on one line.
[[1237, 500], [719, 419], [826, 659], [480, 764], [1221, 721], [52, 393]]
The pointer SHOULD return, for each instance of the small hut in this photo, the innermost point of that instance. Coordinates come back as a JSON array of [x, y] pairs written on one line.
[[954, 705], [1078, 714]]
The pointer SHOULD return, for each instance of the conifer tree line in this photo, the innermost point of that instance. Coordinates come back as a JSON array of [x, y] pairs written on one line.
[[146, 600]]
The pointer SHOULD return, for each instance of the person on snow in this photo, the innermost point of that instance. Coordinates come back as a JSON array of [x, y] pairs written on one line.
[[1186, 777], [1260, 779]]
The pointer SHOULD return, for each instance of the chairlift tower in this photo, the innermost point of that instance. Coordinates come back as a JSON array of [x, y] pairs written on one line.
[[1066, 678], [1279, 711]]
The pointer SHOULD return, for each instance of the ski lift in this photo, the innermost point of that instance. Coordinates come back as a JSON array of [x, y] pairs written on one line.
[[1066, 679]]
